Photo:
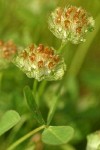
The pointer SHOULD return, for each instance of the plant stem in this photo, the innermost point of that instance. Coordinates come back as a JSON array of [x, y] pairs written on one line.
[[44, 83], [22, 139], [61, 47], [42, 88], [35, 85], [1, 74]]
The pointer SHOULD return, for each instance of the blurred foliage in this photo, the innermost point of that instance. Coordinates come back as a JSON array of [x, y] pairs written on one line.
[[25, 22]]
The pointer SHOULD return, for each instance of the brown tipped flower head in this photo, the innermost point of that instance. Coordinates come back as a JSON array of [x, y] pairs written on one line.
[[7, 51], [70, 24], [40, 62]]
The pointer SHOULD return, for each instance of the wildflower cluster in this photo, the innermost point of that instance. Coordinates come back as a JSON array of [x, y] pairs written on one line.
[[40, 62], [70, 24], [7, 51]]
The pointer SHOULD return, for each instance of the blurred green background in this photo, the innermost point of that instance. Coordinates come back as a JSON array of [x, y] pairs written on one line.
[[25, 22]]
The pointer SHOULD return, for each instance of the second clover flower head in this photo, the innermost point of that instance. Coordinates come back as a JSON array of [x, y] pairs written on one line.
[[70, 24], [40, 62], [7, 52]]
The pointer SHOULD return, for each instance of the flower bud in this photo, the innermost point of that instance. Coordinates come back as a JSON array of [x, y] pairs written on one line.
[[70, 24], [7, 51], [93, 141], [40, 62]]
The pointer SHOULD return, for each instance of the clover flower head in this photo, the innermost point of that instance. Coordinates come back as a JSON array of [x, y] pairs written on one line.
[[7, 51], [40, 62], [70, 24]]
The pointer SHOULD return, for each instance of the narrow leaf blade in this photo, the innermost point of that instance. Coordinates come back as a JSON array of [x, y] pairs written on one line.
[[57, 135], [9, 119], [33, 106]]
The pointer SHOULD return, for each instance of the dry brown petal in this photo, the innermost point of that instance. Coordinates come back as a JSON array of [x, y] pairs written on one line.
[[40, 64], [67, 23], [1, 43], [32, 57], [50, 65], [56, 59], [59, 11], [31, 47], [40, 48], [24, 54]]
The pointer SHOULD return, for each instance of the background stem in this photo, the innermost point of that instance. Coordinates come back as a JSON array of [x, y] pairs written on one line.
[[82, 51], [1, 74]]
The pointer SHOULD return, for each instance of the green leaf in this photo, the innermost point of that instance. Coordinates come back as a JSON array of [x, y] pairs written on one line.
[[9, 119], [67, 147], [57, 135], [33, 106], [52, 110]]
